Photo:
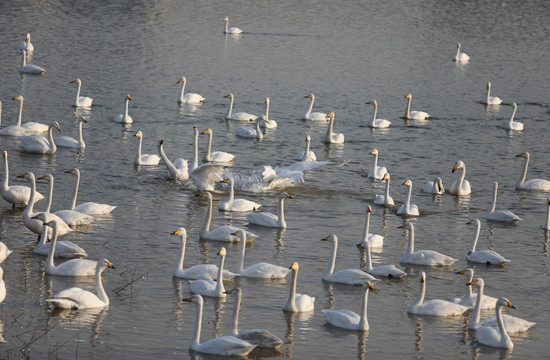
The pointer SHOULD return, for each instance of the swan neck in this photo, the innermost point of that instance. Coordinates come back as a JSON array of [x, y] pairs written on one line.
[[5, 181], [308, 112], [195, 340], [488, 94], [476, 236], [306, 152], [476, 315], [195, 150], [375, 163], [78, 92], [366, 228], [387, 189], [30, 205], [50, 195], [219, 280], [231, 191], [167, 162], [495, 190], [363, 322], [208, 155], [138, 155], [410, 245], [292, 293], [241, 255], [258, 130], [524, 173], [408, 110], [369, 260], [206, 225], [374, 115], [75, 193], [52, 146], [504, 337], [281, 214], [236, 310], [126, 110], [267, 110], [422, 293], [332, 260], [462, 177], [20, 115], [43, 236], [49, 261], [512, 117], [182, 90], [231, 98], [329, 130], [408, 202], [547, 224], [181, 254], [80, 137], [457, 53], [99, 285]]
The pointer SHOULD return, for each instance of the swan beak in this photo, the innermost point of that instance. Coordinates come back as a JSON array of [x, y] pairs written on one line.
[[15, 98], [369, 209], [235, 233], [225, 180], [294, 266], [405, 183], [461, 272], [176, 232], [22, 175], [469, 222], [189, 299], [200, 194], [288, 196], [73, 82], [373, 289], [204, 132], [454, 169], [509, 304], [36, 216], [57, 127], [372, 152], [520, 155], [325, 238], [69, 171], [368, 102], [84, 120], [402, 226], [222, 251], [422, 279], [43, 177], [128, 97], [110, 265], [230, 291], [473, 282]]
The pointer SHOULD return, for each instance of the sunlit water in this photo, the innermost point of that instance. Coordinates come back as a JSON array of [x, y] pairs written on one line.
[[346, 54]]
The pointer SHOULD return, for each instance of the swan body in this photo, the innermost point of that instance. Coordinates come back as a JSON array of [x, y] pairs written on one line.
[[348, 319], [255, 132], [223, 345], [376, 172], [269, 124], [30, 69], [408, 209], [496, 337], [28, 128], [345, 276], [373, 240], [81, 101], [5, 252], [389, 270], [77, 298], [67, 141], [423, 257], [461, 186], [2, 286], [215, 156], [500, 215], [307, 154], [232, 30], [414, 115], [488, 257], [332, 138], [27, 45], [297, 302], [238, 205], [315, 116], [460, 56], [514, 125], [377, 123], [490, 100], [15, 194], [259, 270], [125, 118], [144, 159], [435, 307], [89, 208], [533, 184], [63, 249], [469, 299], [204, 176], [386, 199], [240, 116], [179, 169], [211, 287], [39, 144], [269, 219], [189, 98], [434, 187]]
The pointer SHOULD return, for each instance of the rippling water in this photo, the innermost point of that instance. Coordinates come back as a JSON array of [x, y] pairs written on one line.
[[346, 54]]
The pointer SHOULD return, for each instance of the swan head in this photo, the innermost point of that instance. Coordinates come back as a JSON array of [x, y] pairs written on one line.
[[76, 81], [228, 96], [28, 37], [5, 154], [370, 102], [226, 19], [207, 132], [408, 183], [104, 263], [22, 176], [285, 195], [374, 152], [205, 194], [422, 277], [222, 252], [139, 134], [386, 176], [523, 155], [18, 97], [128, 98], [294, 266], [267, 100], [505, 302], [73, 171], [196, 299], [182, 79], [473, 221], [406, 226], [408, 96], [83, 119], [458, 165], [308, 138], [369, 209], [332, 238], [458, 46], [240, 234], [180, 232], [488, 85], [309, 96], [56, 125], [330, 116], [463, 271]]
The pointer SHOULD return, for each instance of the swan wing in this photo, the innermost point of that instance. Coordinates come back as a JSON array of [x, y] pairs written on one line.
[[265, 271], [438, 307], [74, 218], [19, 194], [63, 249], [512, 324], [74, 267], [342, 318], [66, 141], [260, 337], [221, 156], [263, 219], [536, 184], [350, 277], [226, 346], [242, 116], [304, 302], [206, 175], [387, 270], [427, 257], [94, 209], [76, 298], [241, 205], [486, 257]]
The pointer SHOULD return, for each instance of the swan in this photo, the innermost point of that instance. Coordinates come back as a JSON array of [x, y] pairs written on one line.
[[215, 156], [390, 270], [90, 208], [222, 233], [377, 123], [376, 172], [514, 125], [408, 209], [211, 287], [434, 187], [63, 249], [144, 159], [222, 345], [39, 144], [373, 240], [460, 57], [258, 270], [348, 319], [28, 128], [260, 337], [546, 225], [435, 307], [461, 186], [196, 272], [500, 215], [315, 116], [179, 169], [269, 124], [268, 219], [77, 298], [27, 45], [332, 138], [490, 100], [423, 257], [30, 69], [297, 302], [496, 337], [81, 101], [488, 257], [2, 286], [189, 98], [67, 141], [307, 154], [345, 276], [125, 118], [533, 184], [5, 252], [240, 116], [253, 132], [414, 115], [240, 205], [15, 194], [232, 30], [386, 199], [469, 299], [204, 176]]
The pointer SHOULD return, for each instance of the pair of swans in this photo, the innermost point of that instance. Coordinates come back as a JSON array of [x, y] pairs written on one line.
[[307, 154], [389, 270], [269, 219], [513, 125], [254, 132], [124, 118], [460, 56], [39, 144], [215, 156], [491, 100], [208, 287], [297, 302], [487, 256], [258, 270], [27, 45], [89, 208], [423, 257], [67, 141], [434, 307], [414, 115], [500, 215], [331, 137], [469, 299], [144, 159], [461, 186], [376, 172], [15, 194], [367, 239], [30, 69], [189, 98], [62, 248], [532, 184], [231, 30], [240, 116], [407, 208], [434, 187], [385, 200], [377, 123], [238, 205], [347, 319], [313, 116], [81, 101], [28, 128]]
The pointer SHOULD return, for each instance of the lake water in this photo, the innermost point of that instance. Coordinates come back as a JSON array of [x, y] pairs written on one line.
[[346, 54]]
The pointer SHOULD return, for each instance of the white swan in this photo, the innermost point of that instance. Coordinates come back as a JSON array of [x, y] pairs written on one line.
[[487, 256], [179, 169], [461, 186], [376, 172], [196, 272], [423, 257], [345, 276], [386, 199], [215, 156], [124, 118], [28, 128], [39, 144], [490, 100], [514, 125], [15, 194], [469, 299], [307, 154], [297, 302], [500, 215], [222, 233], [254, 132], [77, 298], [2, 286], [330, 137], [211, 287], [90, 208], [67, 141], [240, 116], [5, 252], [373, 240], [239, 205], [232, 30], [222, 345], [81, 101], [204, 176], [269, 124], [496, 337], [27, 45], [408, 209], [389, 270], [268, 219], [315, 116], [377, 123], [414, 115], [258, 270], [63, 249], [435, 307], [30, 69], [460, 56], [546, 225], [348, 319], [434, 187], [260, 337], [144, 159], [533, 184], [189, 98]]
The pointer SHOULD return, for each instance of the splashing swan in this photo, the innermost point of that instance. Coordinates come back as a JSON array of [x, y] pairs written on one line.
[[81, 101]]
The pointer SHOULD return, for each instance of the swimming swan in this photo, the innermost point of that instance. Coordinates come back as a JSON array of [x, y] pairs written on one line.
[[435, 307], [30, 69], [514, 125], [189, 98], [434, 187], [386, 199], [332, 138], [268, 219], [461, 186], [39, 144], [373, 240], [376, 172], [500, 215], [67, 141], [315, 116], [408, 209], [15, 194], [414, 115], [307, 154], [144, 159], [27, 45], [255, 132], [490, 100], [269, 124], [460, 56], [389, 270], [469, 299], [28, 128], [496, 337], [125, 118], [63, 249], [487, 256], [81, 101], [215, 156], [377, 123], [348, 319], [211, 287], [240, 116], [297, 302], [533, 184], [90, 208], [232, 30], [239, 205], [258, 270], [423, 257]]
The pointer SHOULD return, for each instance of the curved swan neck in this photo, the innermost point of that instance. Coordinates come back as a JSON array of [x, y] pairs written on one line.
[[166, 161], [513, 114], [182, 91], [20, 115], [308, 112], [524, 173], [281, 214], [408, 110], [53, 147], [79, 84], [375, 113], [181, 254], [332, 260], [476, 236], [258, 130], [208, 156], [195, 340], [422, 293], [363, 322], [75, 194], [504, 337], [235, 329], [99, 285], [206, 225], [410, 245], [495, 190], [462, 176], [231, 97]]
